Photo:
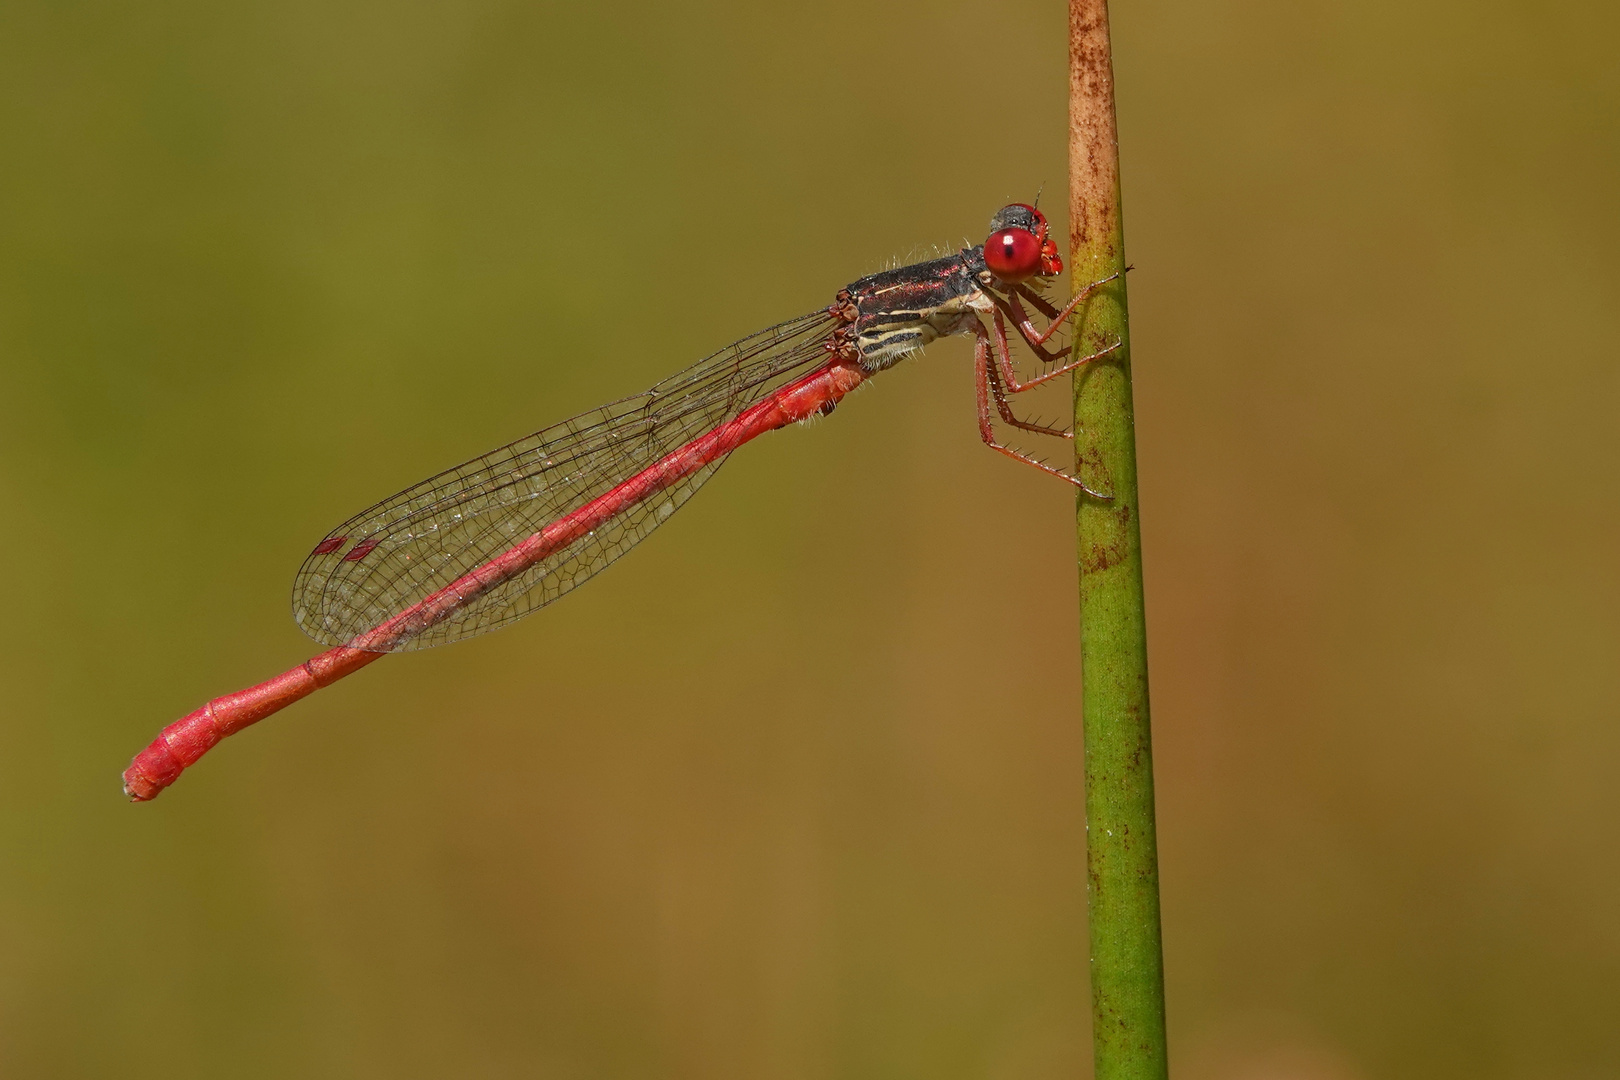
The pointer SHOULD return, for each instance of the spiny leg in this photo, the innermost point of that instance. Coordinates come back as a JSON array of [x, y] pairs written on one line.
[[982, 382], [1037, 299], [1004, 407], [1055, 316], [1011, 309], [1003, 360]]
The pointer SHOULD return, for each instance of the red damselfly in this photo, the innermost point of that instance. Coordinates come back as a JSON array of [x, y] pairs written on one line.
[[489, 541]]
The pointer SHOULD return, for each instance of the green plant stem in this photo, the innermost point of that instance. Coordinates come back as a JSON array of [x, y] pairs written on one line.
[[1122, 864]]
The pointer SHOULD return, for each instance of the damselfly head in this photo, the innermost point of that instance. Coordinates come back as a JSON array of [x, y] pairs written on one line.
[[1018, 247]]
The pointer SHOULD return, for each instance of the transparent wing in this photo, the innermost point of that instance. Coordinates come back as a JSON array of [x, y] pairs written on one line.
[[387, 560]]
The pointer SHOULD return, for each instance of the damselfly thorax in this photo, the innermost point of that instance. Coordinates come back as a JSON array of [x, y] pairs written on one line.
[[900, 311]]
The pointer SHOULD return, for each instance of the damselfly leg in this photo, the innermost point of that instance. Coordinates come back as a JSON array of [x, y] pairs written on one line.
[[996, 378], [987, 385], [1003, 358], [1037, 300], [1004, 407], [1055, 316]]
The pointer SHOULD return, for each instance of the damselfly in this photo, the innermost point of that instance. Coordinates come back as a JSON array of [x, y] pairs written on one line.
[[489, 541]]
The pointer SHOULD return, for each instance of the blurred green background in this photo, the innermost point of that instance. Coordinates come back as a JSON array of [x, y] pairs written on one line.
[[795, 790]]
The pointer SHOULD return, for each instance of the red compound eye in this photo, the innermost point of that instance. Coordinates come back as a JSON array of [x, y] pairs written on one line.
[[1013, 254]]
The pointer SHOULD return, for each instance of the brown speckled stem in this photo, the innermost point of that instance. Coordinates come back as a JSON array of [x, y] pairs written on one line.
[[1122, 864]]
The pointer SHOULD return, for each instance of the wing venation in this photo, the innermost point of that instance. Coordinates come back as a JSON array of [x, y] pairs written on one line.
[[409, 547]]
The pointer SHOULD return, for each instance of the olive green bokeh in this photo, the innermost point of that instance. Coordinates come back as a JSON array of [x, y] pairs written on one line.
[[792, 792]]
